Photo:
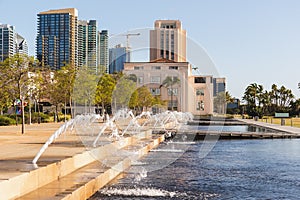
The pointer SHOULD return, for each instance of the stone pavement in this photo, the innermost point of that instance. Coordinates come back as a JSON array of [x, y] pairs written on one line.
[[67, 169], [14, 145]]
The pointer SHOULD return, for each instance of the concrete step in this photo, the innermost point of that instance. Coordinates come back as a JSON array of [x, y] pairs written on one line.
[[85, 181], [19, 177]]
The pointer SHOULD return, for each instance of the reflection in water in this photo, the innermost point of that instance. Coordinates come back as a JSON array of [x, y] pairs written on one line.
[[234, 169], [239, 128]]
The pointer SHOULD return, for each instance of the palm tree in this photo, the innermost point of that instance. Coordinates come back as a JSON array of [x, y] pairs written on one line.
[[169, 82], [253, 96]]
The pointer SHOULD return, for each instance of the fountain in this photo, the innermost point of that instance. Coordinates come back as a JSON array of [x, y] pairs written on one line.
[[135, 125]]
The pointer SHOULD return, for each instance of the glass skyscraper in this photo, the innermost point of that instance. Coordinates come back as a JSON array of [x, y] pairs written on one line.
[[103, 49], [87, 44], [57, 38], [7, 41], [11, 42], [117, 57]]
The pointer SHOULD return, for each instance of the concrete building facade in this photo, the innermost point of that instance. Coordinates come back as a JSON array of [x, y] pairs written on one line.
[[57, 38], [22, 46], [192, 94], [168, 41]]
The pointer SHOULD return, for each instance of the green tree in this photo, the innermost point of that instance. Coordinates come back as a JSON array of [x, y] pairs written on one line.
[[17, 71], [85, 87], [285, 98], [169, 82], [61, 88], [134, 100], [145, 98], [295, 107], [41, 90], [253, 97], [5, 98], [124, 89], [104, 91]]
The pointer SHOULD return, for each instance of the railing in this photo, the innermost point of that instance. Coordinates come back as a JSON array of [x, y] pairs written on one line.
[[294, 122]]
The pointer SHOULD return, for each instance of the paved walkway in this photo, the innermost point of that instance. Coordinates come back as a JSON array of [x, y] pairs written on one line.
[[18, 150], [289, 129]]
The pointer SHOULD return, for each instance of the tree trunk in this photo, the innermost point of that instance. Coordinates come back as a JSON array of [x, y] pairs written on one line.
[[39, 120], [56, 114], [29, 105], [71, 110], [23, 115], [65, 110]]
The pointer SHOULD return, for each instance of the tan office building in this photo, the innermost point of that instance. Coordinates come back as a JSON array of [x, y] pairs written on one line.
[[192, 94], [168, 41]]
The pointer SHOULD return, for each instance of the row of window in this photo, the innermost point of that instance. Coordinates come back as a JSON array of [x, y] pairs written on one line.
[[153, 79], [155, 67], [171, 92]]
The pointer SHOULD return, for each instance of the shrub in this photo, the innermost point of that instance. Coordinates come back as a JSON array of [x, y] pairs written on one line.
[[5, 121]]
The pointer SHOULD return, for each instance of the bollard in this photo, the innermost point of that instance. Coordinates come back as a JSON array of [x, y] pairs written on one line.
[[282, 122]]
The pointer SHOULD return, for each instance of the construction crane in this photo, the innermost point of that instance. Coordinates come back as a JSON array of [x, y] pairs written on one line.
[[127, 38]]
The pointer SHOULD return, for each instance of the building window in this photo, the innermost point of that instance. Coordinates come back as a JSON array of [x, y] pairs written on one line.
[[199, 80], [155, 67], [155, 79], [200, 105], [155, 91], [173, 105], [140, 80], [138, 67], [173, 67], [173, 91], [199, 92]]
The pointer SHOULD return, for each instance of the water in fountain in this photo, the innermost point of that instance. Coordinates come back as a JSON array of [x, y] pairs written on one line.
[[68, 126], [86, 127]]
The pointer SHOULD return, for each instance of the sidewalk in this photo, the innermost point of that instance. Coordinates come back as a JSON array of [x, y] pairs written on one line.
[[289, 129], [14, 145]]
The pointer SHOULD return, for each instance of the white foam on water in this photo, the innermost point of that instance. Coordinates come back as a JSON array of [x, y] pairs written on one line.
[[137, 192], [135, 162], [168, 150], [181, 143]]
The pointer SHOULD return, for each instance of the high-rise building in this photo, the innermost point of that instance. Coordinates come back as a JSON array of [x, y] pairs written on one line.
[[117, 57], [22, 46], [103, 49], [11, 42], [168, 41], [87, 44], [7, 41], [57, 39], [219, 85]]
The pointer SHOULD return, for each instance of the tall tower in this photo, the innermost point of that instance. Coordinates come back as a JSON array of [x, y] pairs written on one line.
[[22, 46], [168, 41], [117, 57], [8, 45], [103, 49], [87, 44], [57, 39]]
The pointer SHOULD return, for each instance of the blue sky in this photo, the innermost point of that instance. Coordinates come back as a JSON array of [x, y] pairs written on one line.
[[248, 40]]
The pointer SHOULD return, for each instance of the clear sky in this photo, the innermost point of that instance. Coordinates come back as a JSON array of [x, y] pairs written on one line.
[[248, 40]]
